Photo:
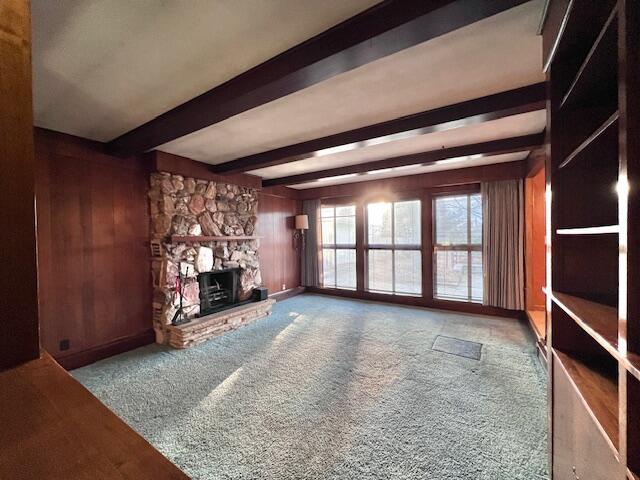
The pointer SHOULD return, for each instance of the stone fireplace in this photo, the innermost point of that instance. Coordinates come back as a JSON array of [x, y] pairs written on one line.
[[203, 246]]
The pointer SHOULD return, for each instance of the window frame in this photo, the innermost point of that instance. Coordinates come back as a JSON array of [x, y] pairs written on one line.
[[466, 247], [367, 247], [339, 246]]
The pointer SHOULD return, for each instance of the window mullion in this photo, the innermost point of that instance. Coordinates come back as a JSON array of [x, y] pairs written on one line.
[[393, 251], [468, 247], [335, 249]]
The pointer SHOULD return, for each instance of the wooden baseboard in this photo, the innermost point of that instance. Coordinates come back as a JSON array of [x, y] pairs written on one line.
[[283, 295], [463, 307], [91, 355]]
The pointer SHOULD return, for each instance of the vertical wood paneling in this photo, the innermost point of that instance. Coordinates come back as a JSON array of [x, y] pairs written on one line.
[[95, 275], [534, 240], [19, 340], [279, 259]]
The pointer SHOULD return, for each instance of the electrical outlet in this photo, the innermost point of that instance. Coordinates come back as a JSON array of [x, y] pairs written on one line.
[[65, 344], [284, 286]]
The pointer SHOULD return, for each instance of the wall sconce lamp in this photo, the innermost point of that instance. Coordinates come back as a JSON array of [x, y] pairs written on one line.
[[301, 224]]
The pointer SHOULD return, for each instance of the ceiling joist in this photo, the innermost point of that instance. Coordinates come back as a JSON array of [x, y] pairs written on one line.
[[382, 30], [484, 109], [485, 149]]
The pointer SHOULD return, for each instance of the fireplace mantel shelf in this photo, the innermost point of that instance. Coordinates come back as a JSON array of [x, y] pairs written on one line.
[[206, 238]]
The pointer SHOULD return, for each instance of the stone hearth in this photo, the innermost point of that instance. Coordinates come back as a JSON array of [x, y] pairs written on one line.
[[209, 326], [190, 220]]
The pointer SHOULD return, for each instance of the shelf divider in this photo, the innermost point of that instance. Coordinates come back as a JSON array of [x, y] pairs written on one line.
[[608, 123], [599, 64]]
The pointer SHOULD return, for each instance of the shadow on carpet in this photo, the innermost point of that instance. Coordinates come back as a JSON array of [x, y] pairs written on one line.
[[329, 388]]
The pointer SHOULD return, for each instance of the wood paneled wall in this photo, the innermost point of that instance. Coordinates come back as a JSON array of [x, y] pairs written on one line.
[[534, 191], [279, 258], [93, 245], [18, 283]]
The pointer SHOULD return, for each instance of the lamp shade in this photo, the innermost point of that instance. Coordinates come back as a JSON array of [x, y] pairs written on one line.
[[302, 222]]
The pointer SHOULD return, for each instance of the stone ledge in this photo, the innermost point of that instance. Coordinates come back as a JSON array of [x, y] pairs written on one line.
[[204, 328]]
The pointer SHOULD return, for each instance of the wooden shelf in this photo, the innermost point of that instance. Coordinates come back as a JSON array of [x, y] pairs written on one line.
[[591, 54], [609, 123], [598, 391], [599, 69], [599, 321], [205, 238], [607, 229]]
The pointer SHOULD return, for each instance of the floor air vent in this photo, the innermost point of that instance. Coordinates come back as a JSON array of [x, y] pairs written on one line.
[[455, 346]]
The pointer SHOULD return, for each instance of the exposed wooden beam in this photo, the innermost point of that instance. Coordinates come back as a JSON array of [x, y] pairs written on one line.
[[386, 28], [484, 109], [494, 147]]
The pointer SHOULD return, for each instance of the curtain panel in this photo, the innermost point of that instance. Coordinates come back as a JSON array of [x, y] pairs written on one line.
[[503, 244], [311, 255]]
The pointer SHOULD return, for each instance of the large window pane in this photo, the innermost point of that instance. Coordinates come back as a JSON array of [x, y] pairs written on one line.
[[379, 223], [452, 274], [476, 218], [328, 235], [380, 270], [346, 268], [345, 230], [328, 267], [407, 222], [398, 267], [408, 271], [451, 220], [339, 229], [458, 248]]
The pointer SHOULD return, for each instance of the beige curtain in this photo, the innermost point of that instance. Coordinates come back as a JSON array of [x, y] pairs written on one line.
[[503, 244], [311, 255]]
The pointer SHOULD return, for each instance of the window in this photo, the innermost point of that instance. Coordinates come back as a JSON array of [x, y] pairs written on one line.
[[457, 249], [339, 246], [394, 239]]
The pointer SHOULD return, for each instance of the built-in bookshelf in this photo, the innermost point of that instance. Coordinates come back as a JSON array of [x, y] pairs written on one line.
[[592, 61]]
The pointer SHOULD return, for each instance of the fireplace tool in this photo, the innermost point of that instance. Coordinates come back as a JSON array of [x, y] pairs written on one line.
[[178, 317]]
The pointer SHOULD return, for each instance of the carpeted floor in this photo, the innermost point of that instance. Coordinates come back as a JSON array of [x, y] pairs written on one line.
[[329, 388]]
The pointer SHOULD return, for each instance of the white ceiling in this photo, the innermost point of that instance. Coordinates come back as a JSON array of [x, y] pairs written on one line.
[[497, 54], [104, 67]]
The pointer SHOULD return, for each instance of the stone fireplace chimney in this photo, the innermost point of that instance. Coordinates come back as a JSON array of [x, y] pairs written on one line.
[[199, 226]]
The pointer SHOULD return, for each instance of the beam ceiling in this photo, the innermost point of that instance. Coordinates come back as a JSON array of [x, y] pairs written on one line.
[[491, 148], [484, 109], [387, 28]]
